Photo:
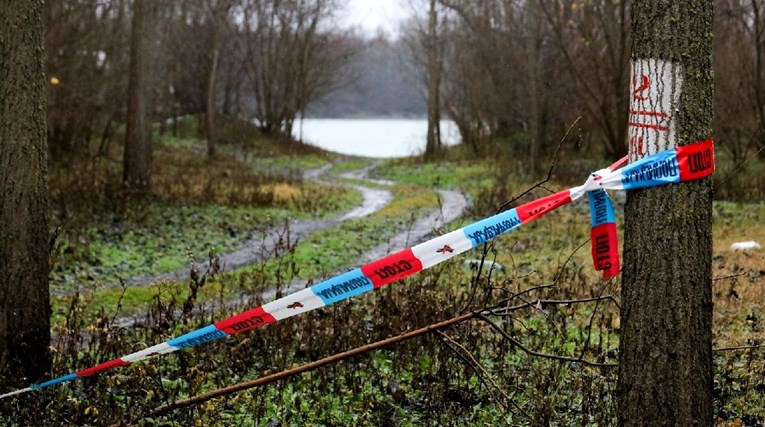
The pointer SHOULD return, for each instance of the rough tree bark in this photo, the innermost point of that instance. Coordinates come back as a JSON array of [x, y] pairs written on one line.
[[24, 300], [665, 373]]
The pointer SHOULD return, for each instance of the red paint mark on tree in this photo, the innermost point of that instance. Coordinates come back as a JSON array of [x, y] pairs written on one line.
[[645, 83]]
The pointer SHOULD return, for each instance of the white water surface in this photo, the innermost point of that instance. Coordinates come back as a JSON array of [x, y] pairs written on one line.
[[382, 138]]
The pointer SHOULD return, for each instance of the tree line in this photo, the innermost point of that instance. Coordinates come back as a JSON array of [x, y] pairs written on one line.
[[508, 70], [522, 71], [142, 62]]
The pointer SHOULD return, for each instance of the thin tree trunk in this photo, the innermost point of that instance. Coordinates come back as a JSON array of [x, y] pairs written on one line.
[[532, 36], [665, 366], [210, 106], [138, 154], [24, 299], [433, 139]]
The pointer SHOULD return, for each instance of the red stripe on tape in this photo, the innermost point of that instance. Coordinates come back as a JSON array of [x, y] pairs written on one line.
[[605, 249], [392, 268], [102, 367], [696, 160], [250, 319], [535, 209]]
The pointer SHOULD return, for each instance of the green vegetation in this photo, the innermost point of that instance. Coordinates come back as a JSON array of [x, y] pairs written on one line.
[[467, 375]]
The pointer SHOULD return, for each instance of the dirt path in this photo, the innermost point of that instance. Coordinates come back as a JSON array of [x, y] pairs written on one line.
[[453, 205], [259, 248]]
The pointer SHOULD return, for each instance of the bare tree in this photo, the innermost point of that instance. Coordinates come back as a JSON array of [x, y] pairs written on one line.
[[485, 63], [532, 52], [423, 38], [665, 357], [218, 14], [138, 139], [86, 58], [593, 39], [24, 299], [435, 64], [293, 58], [740, 76]]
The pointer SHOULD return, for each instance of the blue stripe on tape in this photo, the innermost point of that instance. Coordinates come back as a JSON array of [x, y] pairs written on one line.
[[343, 286], [489, 228], [200, 336], [54, 381], [601, 209], [658, 169]]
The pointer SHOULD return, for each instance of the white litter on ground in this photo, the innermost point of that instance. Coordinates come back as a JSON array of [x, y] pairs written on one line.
[[743, 246]]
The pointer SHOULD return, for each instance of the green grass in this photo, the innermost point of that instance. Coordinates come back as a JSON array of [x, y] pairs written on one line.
[[157, 238], [421, 382], [449, 174]]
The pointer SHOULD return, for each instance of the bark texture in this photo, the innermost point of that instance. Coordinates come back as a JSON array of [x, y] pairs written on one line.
[[665, 373], [24, 300]]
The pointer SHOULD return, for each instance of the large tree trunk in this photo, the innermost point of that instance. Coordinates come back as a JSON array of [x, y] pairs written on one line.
[[24, 300], [665, 373], [136, 172]]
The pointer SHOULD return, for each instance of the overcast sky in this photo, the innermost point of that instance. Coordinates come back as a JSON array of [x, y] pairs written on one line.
[[370, 15]]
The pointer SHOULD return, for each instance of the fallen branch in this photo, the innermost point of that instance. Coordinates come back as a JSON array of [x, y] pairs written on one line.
[[743, 347]]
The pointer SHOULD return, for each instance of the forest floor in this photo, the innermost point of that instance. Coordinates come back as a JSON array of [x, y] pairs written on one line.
[[298, 228]]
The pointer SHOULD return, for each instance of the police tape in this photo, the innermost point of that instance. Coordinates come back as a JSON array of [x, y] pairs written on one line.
[[682, 164]]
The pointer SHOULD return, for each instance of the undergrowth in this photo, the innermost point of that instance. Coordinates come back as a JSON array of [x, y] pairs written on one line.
[[468, 374]]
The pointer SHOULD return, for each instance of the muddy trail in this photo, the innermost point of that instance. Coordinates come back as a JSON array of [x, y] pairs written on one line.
[[263, 246]]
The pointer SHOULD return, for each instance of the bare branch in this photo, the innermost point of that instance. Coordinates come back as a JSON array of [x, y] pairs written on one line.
[[476, 366], [744, 347], [539, 354]]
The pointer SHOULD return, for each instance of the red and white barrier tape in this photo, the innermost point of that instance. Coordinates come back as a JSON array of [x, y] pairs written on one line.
[[686, 163]]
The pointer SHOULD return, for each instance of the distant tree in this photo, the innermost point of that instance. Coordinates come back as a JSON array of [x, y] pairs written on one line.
[[498, 57], [424, 40], [293, 58], [593, 40], [385, 82], [483, 65], [138, 140], [433, 50], [218, 13], [740, 76], [24, 299], [533, 37], [86, 43], [194, 62], [665, 350]]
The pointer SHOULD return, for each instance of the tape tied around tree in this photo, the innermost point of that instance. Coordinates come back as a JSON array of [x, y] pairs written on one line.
[[682, 164]]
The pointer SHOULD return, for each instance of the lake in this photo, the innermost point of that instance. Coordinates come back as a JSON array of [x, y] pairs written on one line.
[[373, 137]]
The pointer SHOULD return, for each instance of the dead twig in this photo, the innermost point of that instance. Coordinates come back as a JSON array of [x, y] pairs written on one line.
[[743, 347], [471, 361], [539, 354], [549, 172], [542, 302]]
